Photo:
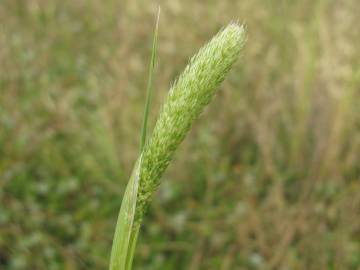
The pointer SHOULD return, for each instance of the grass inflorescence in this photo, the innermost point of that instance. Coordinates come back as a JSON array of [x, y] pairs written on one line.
[[187, 98]]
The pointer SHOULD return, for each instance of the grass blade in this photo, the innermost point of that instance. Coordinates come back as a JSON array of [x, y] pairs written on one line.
[[149, 88], [126, 232], [124, 228]]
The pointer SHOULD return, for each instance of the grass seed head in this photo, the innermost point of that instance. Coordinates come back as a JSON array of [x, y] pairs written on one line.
[[188, 96]]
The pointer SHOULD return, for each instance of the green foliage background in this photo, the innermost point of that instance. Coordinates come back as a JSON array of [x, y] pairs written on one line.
[[269, 179]]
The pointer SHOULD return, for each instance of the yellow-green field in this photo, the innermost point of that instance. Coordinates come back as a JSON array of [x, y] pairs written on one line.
[[269, 177]]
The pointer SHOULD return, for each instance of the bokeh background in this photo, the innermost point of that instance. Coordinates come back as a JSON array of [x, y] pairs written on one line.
[[268, 178]]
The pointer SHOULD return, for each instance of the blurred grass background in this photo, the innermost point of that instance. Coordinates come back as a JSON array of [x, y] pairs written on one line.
[[268, 179]]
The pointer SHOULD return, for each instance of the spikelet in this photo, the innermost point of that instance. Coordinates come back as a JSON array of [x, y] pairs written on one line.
[[188, 96]]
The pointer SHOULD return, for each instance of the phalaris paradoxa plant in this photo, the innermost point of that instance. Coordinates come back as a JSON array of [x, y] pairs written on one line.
[[187, 98]]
